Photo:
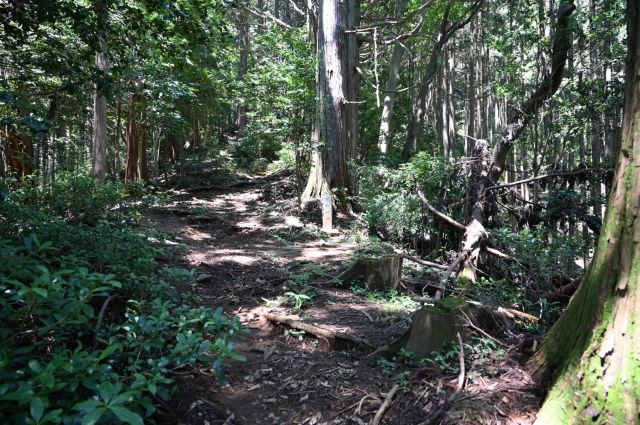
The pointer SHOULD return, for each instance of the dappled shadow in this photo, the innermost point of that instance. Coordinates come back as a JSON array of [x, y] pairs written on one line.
[[246, 248]]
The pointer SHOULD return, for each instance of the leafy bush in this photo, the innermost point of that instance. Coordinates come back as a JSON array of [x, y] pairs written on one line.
[[91, 331], [389, 195], [541, 254]]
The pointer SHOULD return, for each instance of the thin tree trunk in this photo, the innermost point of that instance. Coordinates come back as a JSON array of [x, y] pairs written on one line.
[[391, 86], [243, 47], [446, 31], [135, 136], [100, 100]]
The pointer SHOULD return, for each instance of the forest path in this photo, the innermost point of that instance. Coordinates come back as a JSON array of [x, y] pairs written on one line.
[[249, 248]]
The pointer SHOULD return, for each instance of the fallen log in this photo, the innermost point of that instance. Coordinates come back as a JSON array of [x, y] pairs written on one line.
[[318, 331]]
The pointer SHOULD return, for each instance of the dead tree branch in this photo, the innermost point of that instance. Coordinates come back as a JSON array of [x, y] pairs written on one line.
[[385, 405], [439, 214], [316, 330], [542, 177]]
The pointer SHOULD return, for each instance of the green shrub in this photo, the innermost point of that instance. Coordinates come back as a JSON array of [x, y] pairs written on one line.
[[389, 195], [91, 330]]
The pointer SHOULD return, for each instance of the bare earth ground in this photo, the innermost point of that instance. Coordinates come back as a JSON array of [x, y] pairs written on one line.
[[248, 244]]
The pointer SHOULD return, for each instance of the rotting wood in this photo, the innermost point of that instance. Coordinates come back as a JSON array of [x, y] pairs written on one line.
[[316, 330]]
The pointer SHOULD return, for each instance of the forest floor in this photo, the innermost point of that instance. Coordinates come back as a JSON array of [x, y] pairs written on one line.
[[249, 246]]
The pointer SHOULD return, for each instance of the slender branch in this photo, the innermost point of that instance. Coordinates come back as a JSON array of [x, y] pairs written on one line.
[[461, 377], [265, 14], [387, 402], [441, 215], [297, 8], [424, 262], [545, 176], [497, 253]]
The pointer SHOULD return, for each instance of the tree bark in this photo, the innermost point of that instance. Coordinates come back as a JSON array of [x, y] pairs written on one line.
[[243, 47], [446, 31], [594, 348], [136, 168], [100, 99], [390, 86], [337, 109]]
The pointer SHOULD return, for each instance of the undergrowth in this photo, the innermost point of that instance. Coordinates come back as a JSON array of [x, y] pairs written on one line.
[[92, 329]]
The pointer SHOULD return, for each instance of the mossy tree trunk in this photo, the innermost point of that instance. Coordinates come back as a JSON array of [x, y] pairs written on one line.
[[594, 348]]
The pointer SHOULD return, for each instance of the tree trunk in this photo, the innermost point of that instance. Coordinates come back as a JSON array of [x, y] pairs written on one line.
[[337, 108], [594, 348], [243, 47], [136, 146], [100, 99], [390, 87], [446, 31]]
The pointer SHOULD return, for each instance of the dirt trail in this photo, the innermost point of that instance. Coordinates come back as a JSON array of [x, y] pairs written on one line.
[[248, 248]]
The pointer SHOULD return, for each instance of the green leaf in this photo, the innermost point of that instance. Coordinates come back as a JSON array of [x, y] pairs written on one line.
[[92, 417], [53, 416], [109, 350], [106, 391], [48, 380], [35, 366], [37, 409], [127, 416], [41, 291], [87, 404], [153, 388]]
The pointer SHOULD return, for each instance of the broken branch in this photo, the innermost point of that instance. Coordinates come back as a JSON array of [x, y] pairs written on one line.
[[387, 402], [424, 262], [441, 215]]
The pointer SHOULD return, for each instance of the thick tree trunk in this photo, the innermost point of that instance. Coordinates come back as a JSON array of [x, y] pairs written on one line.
[[100, 100], [594, 348], [337, 108], [390, 87]]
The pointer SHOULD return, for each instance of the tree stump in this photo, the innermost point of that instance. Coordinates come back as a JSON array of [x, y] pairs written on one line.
[[377, 273], [433, 325]]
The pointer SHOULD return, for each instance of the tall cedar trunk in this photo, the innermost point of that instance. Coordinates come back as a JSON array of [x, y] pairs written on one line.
[[391, 86], [243, 47], [116, 142], [487, 169], [136, 145], [596, 125], [100, 100], [594, 348], [337, 95]]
